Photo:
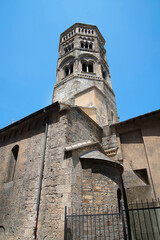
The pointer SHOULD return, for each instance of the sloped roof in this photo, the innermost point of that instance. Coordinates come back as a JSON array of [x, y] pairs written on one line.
[[98, 156]]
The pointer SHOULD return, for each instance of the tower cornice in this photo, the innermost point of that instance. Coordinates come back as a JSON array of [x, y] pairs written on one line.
[[82, 25]]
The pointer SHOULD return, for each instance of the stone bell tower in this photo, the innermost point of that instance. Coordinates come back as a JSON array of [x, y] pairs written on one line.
[[83, 77]]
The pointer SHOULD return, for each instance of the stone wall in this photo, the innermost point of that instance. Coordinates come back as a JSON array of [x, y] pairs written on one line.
[[18, 197], [139, 144], [99, 185], [81, 128]]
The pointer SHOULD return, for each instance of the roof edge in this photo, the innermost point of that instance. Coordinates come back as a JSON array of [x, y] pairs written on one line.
[[136, 118], [43, 110]]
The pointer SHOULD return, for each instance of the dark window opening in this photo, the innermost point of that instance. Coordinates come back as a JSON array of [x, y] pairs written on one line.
[[92, 32], [66, 71], [88, 31], [104, 74], [82, 45], [86, 45], [69, 34], [84, 67], [72, 45], [69, 48], [90, 46], [12, 163], [90, 67], [66, 50], [82, 30], [79, 29], [71, 68], [85, 30]]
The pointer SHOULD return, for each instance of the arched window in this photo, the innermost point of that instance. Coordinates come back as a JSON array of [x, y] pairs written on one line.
[[90, 46], [86, 45], [104, 74], [90, 67], [82, 45], [87, 67], [84, 67], [12, 163], [66, 71], [71, 68]]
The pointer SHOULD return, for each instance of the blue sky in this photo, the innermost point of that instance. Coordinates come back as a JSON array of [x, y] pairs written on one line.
[[29, 38]]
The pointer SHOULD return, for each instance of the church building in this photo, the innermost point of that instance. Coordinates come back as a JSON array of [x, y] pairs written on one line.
[[75, 153]]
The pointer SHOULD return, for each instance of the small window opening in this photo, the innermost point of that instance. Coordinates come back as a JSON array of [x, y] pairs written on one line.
[[89, 31], [66, 50], [90, 67], [92, 32], [12, 163], [82, 30], [69, 48], [86, 45], [85, 30], [84, 67], [69, 34], [82, 45], [104, 74], [71, 68], [90, 46], [79, 29], [66, 71]]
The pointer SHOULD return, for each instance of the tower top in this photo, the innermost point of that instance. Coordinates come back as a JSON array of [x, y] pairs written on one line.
[[83, 29], [83, 77]]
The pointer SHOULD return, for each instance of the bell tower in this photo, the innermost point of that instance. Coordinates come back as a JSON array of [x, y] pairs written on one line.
[[83, 77]]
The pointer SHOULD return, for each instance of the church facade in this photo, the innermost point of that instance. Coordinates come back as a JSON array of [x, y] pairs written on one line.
[[74, 152]]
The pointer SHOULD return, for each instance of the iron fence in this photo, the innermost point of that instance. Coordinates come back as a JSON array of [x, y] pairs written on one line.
[[95, 223], [144, 220], [140, 221]]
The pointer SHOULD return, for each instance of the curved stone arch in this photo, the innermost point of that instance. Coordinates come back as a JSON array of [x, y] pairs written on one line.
[[87, 56], [67, 61], [104, 178]]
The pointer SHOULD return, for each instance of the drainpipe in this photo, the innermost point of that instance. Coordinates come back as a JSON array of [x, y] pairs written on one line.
[[41, 178]]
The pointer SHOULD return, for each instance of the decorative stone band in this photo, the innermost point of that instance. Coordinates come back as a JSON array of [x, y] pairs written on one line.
[[99, 157]]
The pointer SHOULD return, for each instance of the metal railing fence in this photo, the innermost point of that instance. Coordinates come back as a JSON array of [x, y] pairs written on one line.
[[140, 221]]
